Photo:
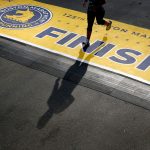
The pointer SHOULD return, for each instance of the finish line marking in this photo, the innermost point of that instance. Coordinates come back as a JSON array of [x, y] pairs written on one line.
[[125, 49]]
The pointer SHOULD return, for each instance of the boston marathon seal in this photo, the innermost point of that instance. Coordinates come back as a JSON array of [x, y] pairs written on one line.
[[23, 16]]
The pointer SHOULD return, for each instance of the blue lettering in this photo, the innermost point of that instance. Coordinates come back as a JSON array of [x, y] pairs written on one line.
[[66, 38], [94, 46], [128, 59], [77, 42], [105, 50], [48, 32], [145, 64]]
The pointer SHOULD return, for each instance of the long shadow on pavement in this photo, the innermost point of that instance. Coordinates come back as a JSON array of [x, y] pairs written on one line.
[[61, 97]]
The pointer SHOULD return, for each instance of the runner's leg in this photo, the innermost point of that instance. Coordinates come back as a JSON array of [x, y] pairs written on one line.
[[100, 13], [90, 20]]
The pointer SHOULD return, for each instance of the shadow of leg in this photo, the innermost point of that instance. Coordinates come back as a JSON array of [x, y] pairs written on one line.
[[44, 119]]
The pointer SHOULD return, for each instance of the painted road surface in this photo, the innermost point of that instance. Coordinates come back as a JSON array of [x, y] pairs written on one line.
[[125, 49]]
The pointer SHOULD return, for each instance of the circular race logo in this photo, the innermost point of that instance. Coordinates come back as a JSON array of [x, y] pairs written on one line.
[[23, 16]]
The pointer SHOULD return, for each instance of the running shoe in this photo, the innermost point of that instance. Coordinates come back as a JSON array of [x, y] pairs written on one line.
[[108, 27], [85, 45]]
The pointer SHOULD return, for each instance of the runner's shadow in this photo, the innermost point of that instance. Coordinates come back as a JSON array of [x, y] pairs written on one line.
[[61, 96]]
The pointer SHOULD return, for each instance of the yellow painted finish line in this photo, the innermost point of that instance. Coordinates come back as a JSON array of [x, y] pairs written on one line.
[[125, 49]]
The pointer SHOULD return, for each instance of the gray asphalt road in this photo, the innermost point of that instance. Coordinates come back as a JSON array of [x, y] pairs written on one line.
[[36, 116], [39, 111]]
